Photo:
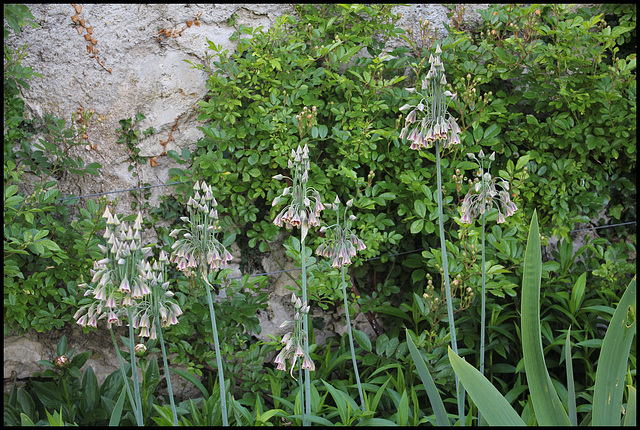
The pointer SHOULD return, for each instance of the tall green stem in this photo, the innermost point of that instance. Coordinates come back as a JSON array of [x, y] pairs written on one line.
[[124, 375], [447, 286], [353, 351], [305, 328], [223, 390], [166, 372], [134, 369], [482, 307]]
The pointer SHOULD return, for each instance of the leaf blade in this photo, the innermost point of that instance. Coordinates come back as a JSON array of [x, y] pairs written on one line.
[[494, 408], [612, 364], [546, 403], [429, 385]]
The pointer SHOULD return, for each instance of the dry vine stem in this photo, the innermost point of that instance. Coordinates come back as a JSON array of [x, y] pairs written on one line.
[[81, 26]]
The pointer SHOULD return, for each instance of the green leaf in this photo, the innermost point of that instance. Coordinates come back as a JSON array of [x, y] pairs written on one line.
[[25, 421], [61, 348], [416, 226], [117, 410], [522, 161], [420, 208], [362, 339], [189, 377], [429, 385], [79, 360], [90, 389], [403, 409], [495, 409], [577, 293], [571, 392], [546, 403], [630, 416], [614, 357]]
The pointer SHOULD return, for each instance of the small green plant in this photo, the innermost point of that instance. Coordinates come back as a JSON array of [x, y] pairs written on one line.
[[129, 136]]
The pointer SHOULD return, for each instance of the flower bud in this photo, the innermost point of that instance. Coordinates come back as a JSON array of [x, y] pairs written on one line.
[[62, 361], [140, 349]]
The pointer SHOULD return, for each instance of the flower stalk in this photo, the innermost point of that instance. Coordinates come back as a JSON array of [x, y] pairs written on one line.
[[483, 195], [427, 123], [198, 249], [303, 211], [341, 246], [115, 288]]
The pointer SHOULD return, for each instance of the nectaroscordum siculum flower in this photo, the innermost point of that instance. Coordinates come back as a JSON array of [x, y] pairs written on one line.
[[427, 123], [487, 191], [115, 281], [196, 246], [293, 341], [116, 286], [429, 120], [305, 207], [341, 245]]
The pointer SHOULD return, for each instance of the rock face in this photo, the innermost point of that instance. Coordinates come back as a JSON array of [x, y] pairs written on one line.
[[139, 71]]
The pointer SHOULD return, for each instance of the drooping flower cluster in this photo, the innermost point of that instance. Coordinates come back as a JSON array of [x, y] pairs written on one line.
[[305, 207], [293, 341], [115, 283], [341, 244], [429, 120], [197, 246], [484, 194], [159, 302]]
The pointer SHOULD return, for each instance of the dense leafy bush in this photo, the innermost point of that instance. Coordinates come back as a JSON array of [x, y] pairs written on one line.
[[46, 248]]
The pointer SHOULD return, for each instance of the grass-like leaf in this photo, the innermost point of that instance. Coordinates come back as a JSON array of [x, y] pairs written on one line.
[[571, 392], [546, 403], [429, 385], [492, 405], [630, 417], [614, 357]]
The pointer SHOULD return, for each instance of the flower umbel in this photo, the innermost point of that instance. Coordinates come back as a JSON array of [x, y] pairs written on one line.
[[428, 120], [197, 246], [341, 244], [157, 300], [293, 341], [305, 207], [115, 282], [485, 192]]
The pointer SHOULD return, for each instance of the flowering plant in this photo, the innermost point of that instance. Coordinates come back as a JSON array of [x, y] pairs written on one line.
[[305, 207], [115, 287], [341, 246], [198, 248], [439, 127], [303, 211], [483, 194]]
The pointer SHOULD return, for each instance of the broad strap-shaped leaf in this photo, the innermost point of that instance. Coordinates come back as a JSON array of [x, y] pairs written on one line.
[[494, 408], [614, 356], [429, 385], [546, 403]]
